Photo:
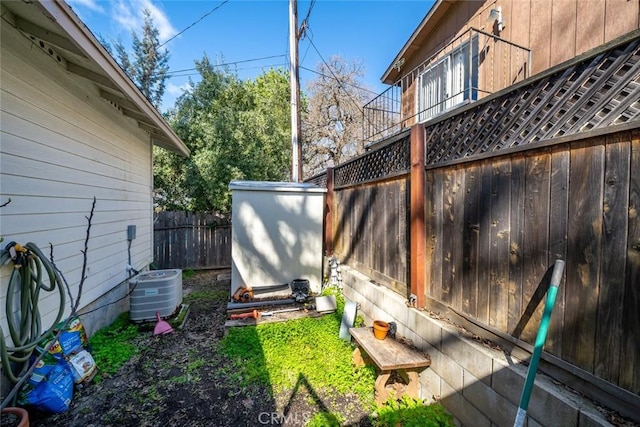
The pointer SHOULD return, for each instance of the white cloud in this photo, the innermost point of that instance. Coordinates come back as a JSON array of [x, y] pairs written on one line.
[[161, 21], [88, 4], [129, 14], [178, 90], [125, 15]]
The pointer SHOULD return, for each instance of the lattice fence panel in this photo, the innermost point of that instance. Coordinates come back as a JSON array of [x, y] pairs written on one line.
[[600, 91], [387, 160], [320, 180]]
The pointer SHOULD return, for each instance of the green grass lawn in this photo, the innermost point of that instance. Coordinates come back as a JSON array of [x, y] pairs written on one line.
[[279, 354]]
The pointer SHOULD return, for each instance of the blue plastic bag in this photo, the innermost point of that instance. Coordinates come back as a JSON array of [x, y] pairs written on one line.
[[53, 394]]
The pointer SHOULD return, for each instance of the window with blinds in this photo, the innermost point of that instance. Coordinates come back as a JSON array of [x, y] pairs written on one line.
[[449, 82]]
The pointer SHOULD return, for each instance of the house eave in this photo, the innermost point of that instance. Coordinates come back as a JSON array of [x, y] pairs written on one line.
[[420, 34], [72, 40]]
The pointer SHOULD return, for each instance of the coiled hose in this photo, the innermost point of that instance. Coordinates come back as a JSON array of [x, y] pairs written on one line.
[[25, 324]]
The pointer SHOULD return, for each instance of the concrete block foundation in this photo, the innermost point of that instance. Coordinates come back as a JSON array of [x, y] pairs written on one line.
[[480, 386]]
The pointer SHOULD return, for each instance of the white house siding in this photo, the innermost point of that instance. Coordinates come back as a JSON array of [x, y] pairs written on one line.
[[61, 145]]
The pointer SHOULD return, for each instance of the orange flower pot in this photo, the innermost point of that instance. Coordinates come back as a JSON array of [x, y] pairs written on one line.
[[380, 329]]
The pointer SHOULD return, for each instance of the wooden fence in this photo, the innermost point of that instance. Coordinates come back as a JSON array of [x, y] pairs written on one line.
[[371, 219], [509, 185], [496, 226], [191, 240]]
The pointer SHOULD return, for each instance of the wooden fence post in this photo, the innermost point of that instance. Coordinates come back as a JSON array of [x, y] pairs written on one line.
[[417, 212], [328, 215]]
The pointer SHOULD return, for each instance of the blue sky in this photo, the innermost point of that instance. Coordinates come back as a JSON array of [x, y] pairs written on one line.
[[239, 32]]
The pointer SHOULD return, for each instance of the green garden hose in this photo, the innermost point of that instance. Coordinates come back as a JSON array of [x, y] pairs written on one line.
[[25, 324], [556, 277]]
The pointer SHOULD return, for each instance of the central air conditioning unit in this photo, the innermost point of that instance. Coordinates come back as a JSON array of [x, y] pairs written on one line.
[[158, 291]]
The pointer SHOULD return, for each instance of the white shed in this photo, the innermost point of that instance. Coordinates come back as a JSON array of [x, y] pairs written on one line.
[[276, 234], [74, 126]]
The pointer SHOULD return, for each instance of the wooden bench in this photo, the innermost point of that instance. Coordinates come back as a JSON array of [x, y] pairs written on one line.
[[389, 356]]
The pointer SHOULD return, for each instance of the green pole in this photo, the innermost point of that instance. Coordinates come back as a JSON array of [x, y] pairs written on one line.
[[556, 276]]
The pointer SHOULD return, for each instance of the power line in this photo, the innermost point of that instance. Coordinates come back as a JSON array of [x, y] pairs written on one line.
[[346, 84], [307, 50], [195, 22], [305, 22], [340, 84], [239, 69], [228, 63]]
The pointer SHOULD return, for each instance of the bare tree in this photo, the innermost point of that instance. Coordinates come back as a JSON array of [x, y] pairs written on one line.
[[332, 127]]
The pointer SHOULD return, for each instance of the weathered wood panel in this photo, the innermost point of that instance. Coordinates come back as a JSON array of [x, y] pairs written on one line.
[[614, 232], [584, 256], [358, 224], [535, 243], [516, 244], [448, 236], [558, 218], [484, 241], [457, 247], [191, 240], [520, 213], [433, 223], [471, 232], [439, 254], [630, 355], [499, 245], [377, 230], [371, 230]]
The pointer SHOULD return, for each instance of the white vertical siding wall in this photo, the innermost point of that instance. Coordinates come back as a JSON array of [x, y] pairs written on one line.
[[61, 145]]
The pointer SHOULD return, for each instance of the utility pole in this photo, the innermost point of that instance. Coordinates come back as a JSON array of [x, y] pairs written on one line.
[[296, 170]]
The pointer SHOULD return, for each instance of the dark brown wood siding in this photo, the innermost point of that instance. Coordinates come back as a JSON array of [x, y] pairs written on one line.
[[555, 31]]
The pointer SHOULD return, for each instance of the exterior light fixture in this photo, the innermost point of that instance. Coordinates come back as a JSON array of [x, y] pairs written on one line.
[[496, 15], [399, 63]]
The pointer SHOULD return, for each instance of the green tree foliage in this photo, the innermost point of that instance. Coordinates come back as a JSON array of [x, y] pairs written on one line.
[[148, 66], [236, 130]]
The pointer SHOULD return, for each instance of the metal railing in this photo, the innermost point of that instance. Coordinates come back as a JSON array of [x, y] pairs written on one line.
[[472, 66]]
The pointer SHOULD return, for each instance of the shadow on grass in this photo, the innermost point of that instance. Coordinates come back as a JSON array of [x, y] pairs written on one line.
[[310, 372], [305, 365]]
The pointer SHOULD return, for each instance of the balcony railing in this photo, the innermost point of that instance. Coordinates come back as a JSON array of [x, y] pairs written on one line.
[[472, 66]]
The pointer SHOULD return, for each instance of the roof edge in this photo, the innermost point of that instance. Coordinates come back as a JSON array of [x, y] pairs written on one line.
[[435, 8], [61, 13]]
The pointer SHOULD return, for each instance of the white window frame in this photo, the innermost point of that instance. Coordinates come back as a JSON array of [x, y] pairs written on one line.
[[446, 84]]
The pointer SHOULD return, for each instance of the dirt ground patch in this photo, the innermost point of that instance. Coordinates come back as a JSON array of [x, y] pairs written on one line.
[[155, 388]]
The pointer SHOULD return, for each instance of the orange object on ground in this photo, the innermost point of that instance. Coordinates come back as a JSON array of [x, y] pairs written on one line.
[[252, 314]]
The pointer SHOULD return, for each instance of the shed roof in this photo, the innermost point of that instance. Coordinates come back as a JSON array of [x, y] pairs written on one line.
[[55, 28]]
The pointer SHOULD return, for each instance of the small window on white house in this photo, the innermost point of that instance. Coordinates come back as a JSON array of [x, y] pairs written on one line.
[[449, 82]]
